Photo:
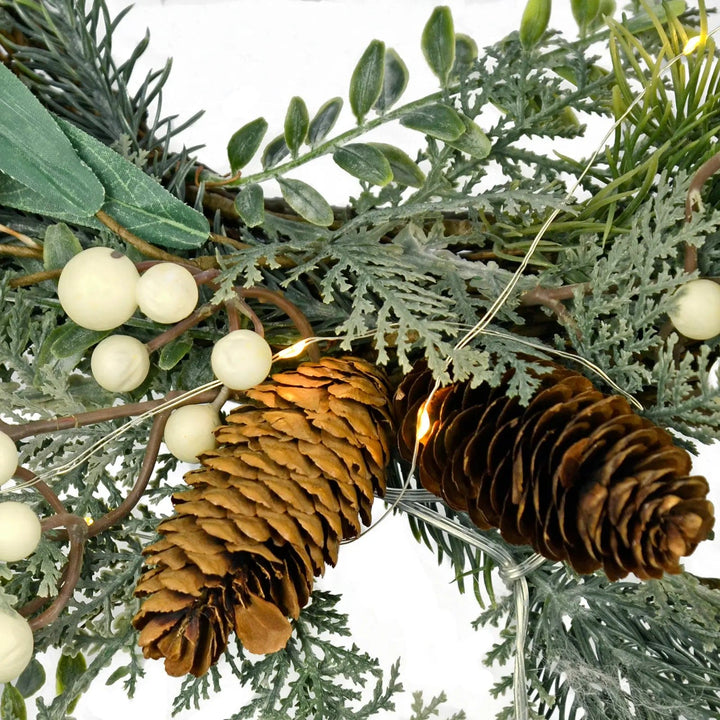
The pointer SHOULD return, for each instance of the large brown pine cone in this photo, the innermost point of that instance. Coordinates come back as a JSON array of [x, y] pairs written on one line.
[[295, 473], [577, 474]]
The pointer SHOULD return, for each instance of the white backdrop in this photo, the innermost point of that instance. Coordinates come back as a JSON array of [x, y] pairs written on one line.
[[238, 59]]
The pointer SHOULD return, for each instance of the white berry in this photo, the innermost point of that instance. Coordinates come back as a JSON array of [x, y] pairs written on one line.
[[241, 359], [120, 363], [97, 288], [697, 309], [16, 644], [19, 531], [189, 431], [8, 458], [167, 293]]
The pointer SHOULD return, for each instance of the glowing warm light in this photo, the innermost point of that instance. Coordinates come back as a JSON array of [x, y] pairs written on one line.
[[293, 351], [692, 44], [423, 423], [88, 520]]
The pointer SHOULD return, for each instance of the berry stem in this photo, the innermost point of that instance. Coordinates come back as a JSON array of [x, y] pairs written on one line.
[[694, 200], [204, 311]]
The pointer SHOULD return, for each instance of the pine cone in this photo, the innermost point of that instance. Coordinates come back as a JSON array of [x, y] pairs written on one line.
[[577, 474], [295, 473]]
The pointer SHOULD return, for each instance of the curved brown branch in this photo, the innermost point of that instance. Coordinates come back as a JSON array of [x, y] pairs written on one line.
[[204, 311], [43, 488], [704, 173]]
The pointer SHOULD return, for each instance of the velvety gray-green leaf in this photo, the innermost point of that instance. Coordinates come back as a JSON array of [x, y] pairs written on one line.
[[12, 704], [274, 152], [405, 170], [69, 339], [367, 79], [306, 201], [135, 200], [324, 120], [245, 143], [473, 141], [172, 353], [395, 80], [36, 154], [437, 120], [69, 670], [466, 52], [60, 245], [364, 162], [31, 679], [250, 204], [438, 43], [297, 121]]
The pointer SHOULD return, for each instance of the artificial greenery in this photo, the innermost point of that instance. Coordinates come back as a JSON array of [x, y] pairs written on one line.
[[412, 263]]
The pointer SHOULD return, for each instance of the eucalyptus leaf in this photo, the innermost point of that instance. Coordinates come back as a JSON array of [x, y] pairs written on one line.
[[12, 704], [250, 204], [367, 80], [438, 43], [437, 120], [395, 80], [473, 141], [172, 353], [274, 152], [296, 124], [69, 670], [364, 162], [60, 245], [31, 679], [245, 143], [135, 200], [324, 120], [405, 170], [35, 153], [68, 339], [306, 201]]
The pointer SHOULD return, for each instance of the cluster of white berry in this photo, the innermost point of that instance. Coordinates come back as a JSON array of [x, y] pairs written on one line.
[[19, 536], [100, 289]]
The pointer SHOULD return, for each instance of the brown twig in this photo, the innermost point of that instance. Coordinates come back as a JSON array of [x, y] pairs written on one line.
[[20, 251], [693, 199], [204, 311], [21, 237], [143, 246], [35, 278], [43, 488]]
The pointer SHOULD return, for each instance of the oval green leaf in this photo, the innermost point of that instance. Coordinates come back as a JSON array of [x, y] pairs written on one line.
[[31, 679], [36, 154], [473, 141], [274, 152], [395, 80], [69, 670], [364, 162], [367, 79], [60, 246], [172, 353], [245, 143], [405, 170], [137, 201], [250, 204], [12, 704], [324, 120], [297, 121], [466, 52], [438, 43], [69, 339], [438, 120], [306, 201]]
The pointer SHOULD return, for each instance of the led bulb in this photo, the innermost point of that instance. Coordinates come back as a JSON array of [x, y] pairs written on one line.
[[190, 431], [697, 309], [20, 531], [97, 288], [241, 359], [167, 293], [120, 363], [16, 644], [8, 458]]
